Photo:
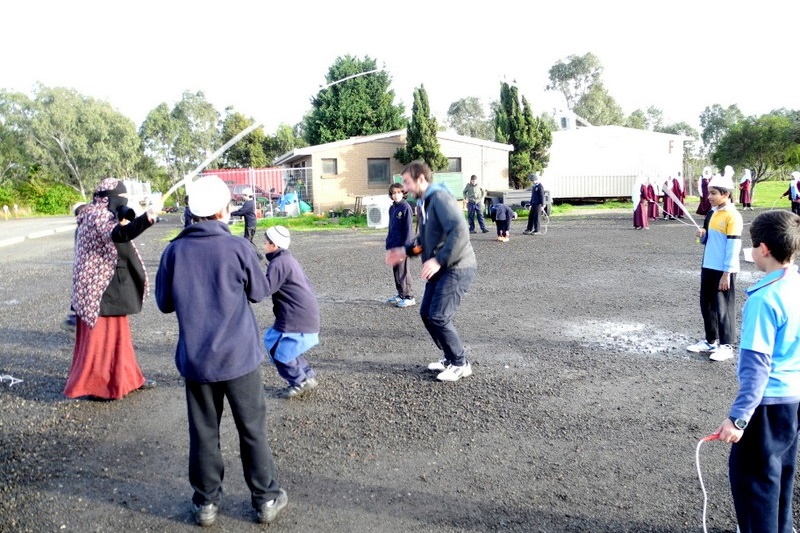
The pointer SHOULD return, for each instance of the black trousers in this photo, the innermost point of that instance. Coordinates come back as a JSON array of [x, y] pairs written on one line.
[[249, 234], [204, 402], [717, 307], [533, 218]]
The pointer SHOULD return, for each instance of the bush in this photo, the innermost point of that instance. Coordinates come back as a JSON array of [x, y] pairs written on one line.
[[8, 196], [48, 197]]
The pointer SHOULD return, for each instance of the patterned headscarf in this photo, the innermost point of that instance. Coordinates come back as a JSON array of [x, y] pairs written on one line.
[[95, 254]]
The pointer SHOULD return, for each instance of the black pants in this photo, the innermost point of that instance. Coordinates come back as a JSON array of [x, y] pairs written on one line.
[[249, 234], [204, 402], [502, 227], [533, 218], [717, 307], [761, 470]]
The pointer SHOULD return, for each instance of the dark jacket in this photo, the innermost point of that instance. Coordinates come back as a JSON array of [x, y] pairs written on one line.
[[400, 231], [293, 300], [443, 231], [125, 292], [503, 212], [537, 194], [207, 277], [248, 211]]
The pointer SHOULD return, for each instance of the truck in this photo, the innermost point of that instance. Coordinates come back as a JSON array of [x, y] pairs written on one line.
[[515, 199]]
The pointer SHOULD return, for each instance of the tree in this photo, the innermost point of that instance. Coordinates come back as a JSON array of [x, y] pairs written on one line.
[[362, 105], [70, 138], [467, 117], [716, 121], [285, 140], [422, 142], [249, 151], [181, 138], [599, 108], [574, 78], [530, 136], [760, 144], [637, 120]]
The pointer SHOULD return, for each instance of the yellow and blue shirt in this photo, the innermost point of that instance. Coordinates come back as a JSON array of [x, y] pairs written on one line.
[[723, 239]]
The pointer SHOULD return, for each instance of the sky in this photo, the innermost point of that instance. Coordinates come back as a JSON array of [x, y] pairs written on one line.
[[268, 59]]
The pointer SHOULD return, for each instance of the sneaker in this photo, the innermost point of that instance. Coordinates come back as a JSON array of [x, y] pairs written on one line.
[[454, 373], [70, 325], [406, 302], [484, 230], [702, 346], [473, 231], [295, 391], [206, 514], [268, 512], [439, 365], [723, 352], [394, 299], [499, 238], [535, 232], [527, 232]]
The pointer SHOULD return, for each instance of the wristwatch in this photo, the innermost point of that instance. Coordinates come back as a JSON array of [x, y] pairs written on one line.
[[738, 422]]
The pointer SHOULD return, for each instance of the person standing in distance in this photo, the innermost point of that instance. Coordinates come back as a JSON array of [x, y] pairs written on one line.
[[400, 233], [248, 211], [448, 266], [208, 278], [537, 200], [474, 196]]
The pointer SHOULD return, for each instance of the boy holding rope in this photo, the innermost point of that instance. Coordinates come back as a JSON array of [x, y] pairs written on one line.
[[763, 422], [722, 236]]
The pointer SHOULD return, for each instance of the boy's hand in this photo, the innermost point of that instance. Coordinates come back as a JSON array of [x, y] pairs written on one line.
[[725, 281], [728, 432], [700, 233], [395, 256]]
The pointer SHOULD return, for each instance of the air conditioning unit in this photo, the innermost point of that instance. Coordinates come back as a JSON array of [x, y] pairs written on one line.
[[378, 215]]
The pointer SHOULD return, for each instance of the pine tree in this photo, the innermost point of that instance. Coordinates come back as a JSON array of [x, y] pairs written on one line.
[[421, 140]]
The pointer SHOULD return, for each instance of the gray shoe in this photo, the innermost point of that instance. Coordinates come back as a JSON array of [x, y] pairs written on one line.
[[295, 391], [206, 514], [268, 512]]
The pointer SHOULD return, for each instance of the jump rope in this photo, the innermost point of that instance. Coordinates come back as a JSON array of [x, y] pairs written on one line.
[[707, 438]]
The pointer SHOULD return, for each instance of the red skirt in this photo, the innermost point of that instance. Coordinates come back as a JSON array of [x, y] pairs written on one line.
[[103, 363]]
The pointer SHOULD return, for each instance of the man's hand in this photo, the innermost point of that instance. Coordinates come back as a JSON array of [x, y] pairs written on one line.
[[430, 268], [156, 206]]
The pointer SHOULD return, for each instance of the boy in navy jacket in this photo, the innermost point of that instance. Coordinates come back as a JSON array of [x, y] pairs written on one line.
[[207, 277], [400, 234]]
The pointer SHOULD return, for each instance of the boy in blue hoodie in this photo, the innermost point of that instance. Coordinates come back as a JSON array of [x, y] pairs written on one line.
[[207, 277], [400, 233]]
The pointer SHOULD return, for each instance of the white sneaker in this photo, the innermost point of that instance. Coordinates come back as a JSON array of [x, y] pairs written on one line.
[[454, 373], [702, 346], [438, 366], [394, 299], [722, 352], [406, 302]]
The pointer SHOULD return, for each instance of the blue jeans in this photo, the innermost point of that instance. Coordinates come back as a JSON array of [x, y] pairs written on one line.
[[474, 209], [442, 297]]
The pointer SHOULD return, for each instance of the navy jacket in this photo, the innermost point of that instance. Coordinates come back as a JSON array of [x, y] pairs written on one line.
[[248, 211], [503, 212], [293, 300], [537, 194], [207, 277], [400, 231]]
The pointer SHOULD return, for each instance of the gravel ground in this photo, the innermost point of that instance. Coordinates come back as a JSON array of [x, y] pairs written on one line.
[[583, 414]]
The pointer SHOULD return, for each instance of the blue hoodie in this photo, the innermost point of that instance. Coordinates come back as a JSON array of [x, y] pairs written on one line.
[[207, 277]]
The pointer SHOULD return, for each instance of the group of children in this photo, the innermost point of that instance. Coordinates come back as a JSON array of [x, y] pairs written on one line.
[[763, 421]]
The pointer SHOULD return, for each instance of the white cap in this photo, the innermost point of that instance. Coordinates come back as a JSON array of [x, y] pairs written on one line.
[[279, 236], [208, 196], [247, 191], [796, 175], [722, 182]]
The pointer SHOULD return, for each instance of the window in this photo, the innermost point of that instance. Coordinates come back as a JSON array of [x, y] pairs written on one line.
[[454, 164], [378, 172], [330, 166]]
